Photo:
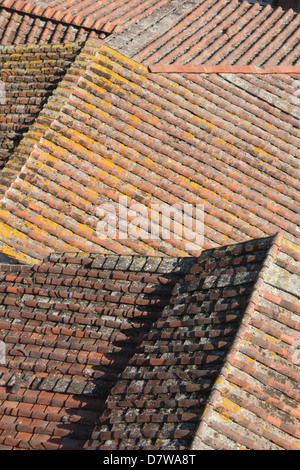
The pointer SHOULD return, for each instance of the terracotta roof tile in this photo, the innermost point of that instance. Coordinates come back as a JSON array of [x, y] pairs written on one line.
[[128, 352], [214, 32], [229, 142], [19, 25], [70, 326], [29, 74], [104, 15]]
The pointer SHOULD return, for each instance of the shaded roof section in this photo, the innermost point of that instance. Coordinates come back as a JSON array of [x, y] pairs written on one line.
[[228, 142], [162, 393], [214, 32], [114, 352], [70, 326], [295, 4], [28, 74], [17, 26], [103, 15], [255, 404], [246, 397]]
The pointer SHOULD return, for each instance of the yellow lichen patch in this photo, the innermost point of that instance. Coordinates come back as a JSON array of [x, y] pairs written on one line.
[[229, 408], [290, 245], [197, 186], [7, 231], [18, 255], [223, 142], [119, 57], [224, 417], [203, 121], [270, 338], [189, 135], [249, 359], [15, 254], [261, 151], [52, 225], [135, 119]]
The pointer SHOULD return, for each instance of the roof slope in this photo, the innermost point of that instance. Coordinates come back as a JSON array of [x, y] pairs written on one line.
[[64, 66], [161, 395], [17, 26], [28, 74], [256, 402], [214, 32], [228, 142], [70, 327], [114, 352], [103, 15]]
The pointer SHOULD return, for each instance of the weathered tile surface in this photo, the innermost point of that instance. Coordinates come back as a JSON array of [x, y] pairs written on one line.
[[70, 326], [21, 26], [29, 75], [255, 404], [214, 32], [229, 143], [162, 393], [128, 352], [101, 15]]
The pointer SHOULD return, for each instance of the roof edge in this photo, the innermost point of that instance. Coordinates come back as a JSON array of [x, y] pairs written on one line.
[[233, 350]]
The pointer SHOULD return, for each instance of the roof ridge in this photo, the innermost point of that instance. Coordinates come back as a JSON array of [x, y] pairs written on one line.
[[234, 348], [245, 69]]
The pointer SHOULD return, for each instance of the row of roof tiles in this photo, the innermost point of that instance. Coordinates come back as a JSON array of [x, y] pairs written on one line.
[[213, 32], [214, 24], [98, 15], [19, 27], [29, 74], [236, 152], [128, 352], [229, 143]]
